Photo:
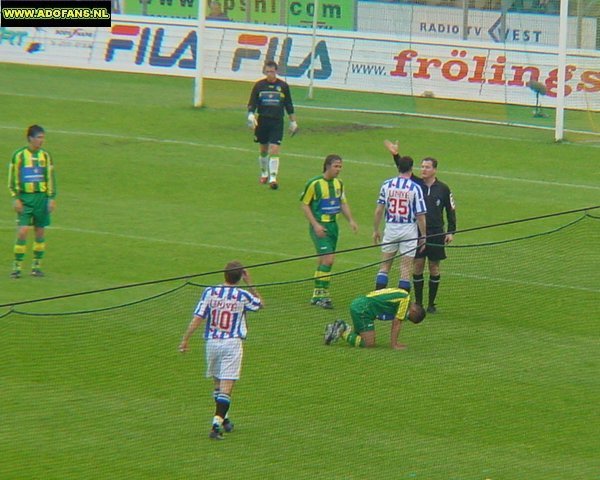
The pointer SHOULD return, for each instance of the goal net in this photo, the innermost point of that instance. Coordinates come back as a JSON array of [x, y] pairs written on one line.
[[490, 61], [494, 61]]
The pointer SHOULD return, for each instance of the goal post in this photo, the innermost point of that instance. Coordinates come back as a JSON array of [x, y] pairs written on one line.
[[199, 76], [559, 126]]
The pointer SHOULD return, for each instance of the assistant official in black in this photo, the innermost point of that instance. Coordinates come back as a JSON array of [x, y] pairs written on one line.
[[438, 198], [270, 100]]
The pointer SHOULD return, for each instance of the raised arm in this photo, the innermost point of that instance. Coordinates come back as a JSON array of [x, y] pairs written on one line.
[[251, 288]]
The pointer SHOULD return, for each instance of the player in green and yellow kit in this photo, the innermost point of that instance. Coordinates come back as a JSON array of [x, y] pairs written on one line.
[[33, 188], [323, 198], [385, 304]]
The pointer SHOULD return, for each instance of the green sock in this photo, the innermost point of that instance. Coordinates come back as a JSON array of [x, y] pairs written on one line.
[[19, 250], [322, 278], [39, 248], [354, 339]]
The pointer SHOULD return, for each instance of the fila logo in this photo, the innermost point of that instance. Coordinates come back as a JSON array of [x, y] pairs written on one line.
[[135, 39], [252, 47]]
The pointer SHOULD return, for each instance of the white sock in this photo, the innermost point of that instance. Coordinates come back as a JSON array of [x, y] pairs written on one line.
[[264, 165], [273, 168], [218, 421]]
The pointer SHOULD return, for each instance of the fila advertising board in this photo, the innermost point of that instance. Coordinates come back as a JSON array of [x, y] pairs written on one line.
[[465, 71]]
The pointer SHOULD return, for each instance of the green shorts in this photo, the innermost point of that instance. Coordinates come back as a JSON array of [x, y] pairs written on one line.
[[362, 320], [35, 210], [327, 244]]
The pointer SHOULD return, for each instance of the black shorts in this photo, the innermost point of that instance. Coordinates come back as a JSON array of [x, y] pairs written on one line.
[[269, 130], [434, 250]]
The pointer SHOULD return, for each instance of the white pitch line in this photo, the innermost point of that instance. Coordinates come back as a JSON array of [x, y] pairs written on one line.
[[524, 282], [162, 240], [290, 256], [311, 157], [524, 180], [61, 99], [174, 242], [594, 143]]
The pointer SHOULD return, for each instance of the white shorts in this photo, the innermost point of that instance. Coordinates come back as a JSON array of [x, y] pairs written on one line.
[[224, 358], [405, 234]]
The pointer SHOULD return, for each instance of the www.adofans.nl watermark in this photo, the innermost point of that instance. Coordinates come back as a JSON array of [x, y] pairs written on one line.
[[27, 13]]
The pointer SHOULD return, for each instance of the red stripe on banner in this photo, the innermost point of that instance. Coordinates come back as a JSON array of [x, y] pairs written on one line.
[[125, 30], [256, 40]]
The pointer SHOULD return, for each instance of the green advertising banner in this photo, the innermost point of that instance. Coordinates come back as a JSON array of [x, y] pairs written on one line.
[[157, 8], [334, 15]]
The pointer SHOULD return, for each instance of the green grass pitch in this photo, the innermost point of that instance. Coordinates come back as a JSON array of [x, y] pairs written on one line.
[[501, 385]]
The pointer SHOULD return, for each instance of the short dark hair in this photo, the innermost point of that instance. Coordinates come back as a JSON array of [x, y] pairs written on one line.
[[419, 313], [404, 164], [271, 63], [34, 131], [433, 161], [329, 159], [233, 272]]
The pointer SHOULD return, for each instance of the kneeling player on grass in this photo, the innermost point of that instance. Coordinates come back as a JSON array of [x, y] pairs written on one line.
[[385, 304]]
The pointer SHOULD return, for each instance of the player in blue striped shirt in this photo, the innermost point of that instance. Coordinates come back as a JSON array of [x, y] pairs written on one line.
[[224, 308], [401, 200]]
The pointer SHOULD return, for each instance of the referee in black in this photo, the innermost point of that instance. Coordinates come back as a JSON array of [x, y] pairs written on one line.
[[438, 198], [269, 100]]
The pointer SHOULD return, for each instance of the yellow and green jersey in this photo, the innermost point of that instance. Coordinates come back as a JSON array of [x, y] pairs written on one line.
[[386, 303], [325, 198], [31, 172]]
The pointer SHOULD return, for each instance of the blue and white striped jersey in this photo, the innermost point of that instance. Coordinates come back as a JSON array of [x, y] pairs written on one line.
[[403, 200], [224, 309]]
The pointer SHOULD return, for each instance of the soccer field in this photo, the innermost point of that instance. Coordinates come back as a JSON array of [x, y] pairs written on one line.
[[502, 384]]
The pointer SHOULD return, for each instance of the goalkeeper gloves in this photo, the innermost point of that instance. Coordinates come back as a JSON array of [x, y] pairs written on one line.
[[293, 127], [252, 123]]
